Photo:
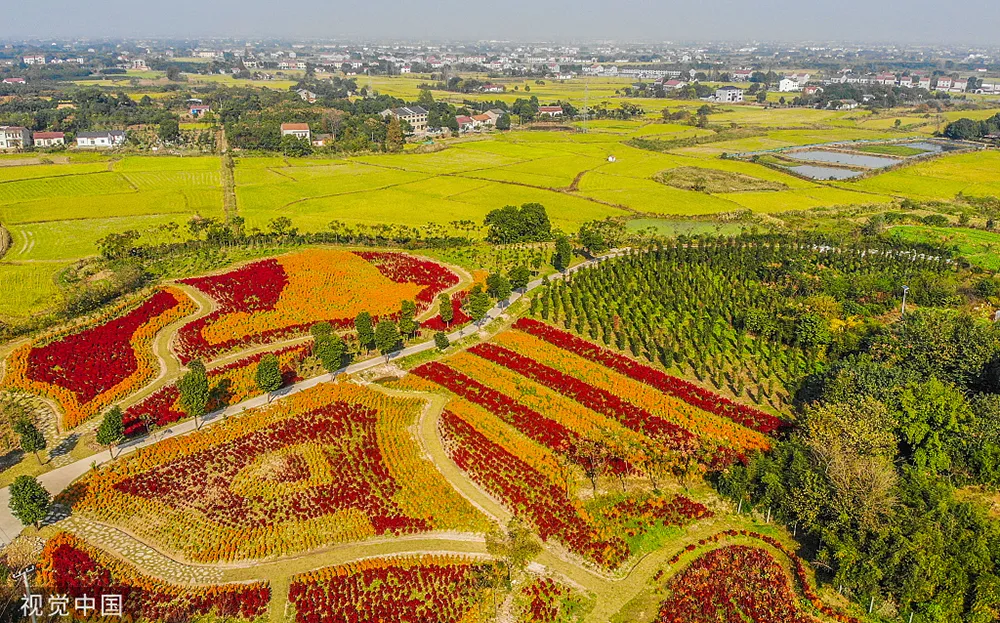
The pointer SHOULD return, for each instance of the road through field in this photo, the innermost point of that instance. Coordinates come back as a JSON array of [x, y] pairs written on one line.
[[60, 478]]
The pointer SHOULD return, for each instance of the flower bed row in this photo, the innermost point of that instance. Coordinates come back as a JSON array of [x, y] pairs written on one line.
[[529, 494], [594, 398], [282, 297], [732, 584], [88, 370], [800, 568], [688, 392], [534, 425], [71, 567], [233, 383], [545, 601], [322, 466], [459, 317], [414, 589], [711, 429]]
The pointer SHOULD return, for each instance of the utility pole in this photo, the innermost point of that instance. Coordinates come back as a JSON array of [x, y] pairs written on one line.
[[25, 575], [906, 290]]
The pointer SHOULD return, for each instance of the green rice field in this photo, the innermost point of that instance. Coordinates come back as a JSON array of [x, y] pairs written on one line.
[[979, 247]]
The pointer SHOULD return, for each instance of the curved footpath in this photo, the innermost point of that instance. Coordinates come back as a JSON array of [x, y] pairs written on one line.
[[60, 478]]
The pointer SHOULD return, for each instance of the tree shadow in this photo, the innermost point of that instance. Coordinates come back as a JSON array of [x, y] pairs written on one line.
[[65, 446], [11, 459]]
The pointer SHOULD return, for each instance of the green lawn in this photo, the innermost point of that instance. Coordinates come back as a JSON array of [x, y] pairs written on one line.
[[979, 247]]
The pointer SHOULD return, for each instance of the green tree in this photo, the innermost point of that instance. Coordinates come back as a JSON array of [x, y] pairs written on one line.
[[112, 429], [394, 139], [29, 501], [503, 122], [519, 277], [365, 330], [933, 418], [441, 340], [173, 73], [387, 337], [478, 303], [194, 390], [515, 547], [328, 347], [408, 326], [564, 253], [32, 439], [117, 246], [498, 286], [169, 130], [446, 308], [269, 374], [294, 146]]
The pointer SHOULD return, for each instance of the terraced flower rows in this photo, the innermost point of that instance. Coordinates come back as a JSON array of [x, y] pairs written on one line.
[[87, 370], [280, 297], [72, 567], [414, 589], [231, 384], [332, 464]]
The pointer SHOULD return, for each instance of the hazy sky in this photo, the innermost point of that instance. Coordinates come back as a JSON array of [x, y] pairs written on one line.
[[925, 21]]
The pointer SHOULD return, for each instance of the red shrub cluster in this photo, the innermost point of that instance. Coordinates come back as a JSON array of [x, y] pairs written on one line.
[[201, 482], [96, 359], [534, 425], [161, 407], [459, 316], [415, 590], [528, 493], [403, 268], [545, 598], [70, 568], [594, 398], [684, 390], [254, 287], [733, 584], [800, 567]]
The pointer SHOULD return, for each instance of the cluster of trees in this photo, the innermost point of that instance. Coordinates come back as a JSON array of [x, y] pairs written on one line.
[[511, 224], [970, 129], [752, 314]]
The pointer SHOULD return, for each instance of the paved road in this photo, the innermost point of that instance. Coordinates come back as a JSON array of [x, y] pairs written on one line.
[[60, 478]]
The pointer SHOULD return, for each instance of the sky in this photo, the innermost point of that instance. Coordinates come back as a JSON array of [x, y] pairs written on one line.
[[904, 21]]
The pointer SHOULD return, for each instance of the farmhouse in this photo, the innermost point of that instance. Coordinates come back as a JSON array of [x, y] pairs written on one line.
[[14, 81], [322, 140], [100, 140], [483, 120], [306, 95], [14, 137], [674, 84], [924, 82], [494, 114], [48, 139], [786, 85], [729, 94], [493, 88], [465, 123], [199, 110], [812, 90], [943, 83], [34, 59], [550, 111], [298, 130], [742, 75], [416, 116]]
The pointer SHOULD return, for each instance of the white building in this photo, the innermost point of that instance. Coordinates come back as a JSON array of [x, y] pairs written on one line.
[[298, 130], [107, 139], [729, 95], [414, 115], [14, 137], [48, 139], [786, 85]]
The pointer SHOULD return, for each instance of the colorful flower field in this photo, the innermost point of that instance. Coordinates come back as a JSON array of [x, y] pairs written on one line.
[[73, 568], [88, 370], [332, 464], [415, 589], [545, 503], [744, 415], [233, 383], [281, 297], [548, 601], [732, 584]]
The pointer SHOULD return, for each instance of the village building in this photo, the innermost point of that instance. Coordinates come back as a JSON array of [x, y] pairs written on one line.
[[199, 110], [48, 139], [14, 137], [416, 116], [106, 139], [729, 95], [550, 111], [298, 130]]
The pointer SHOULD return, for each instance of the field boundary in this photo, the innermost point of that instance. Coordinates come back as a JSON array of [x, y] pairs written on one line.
[[5, 241]]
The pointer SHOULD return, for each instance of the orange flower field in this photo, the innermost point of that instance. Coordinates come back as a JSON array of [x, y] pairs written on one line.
[[332, 464], [279, 297]]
